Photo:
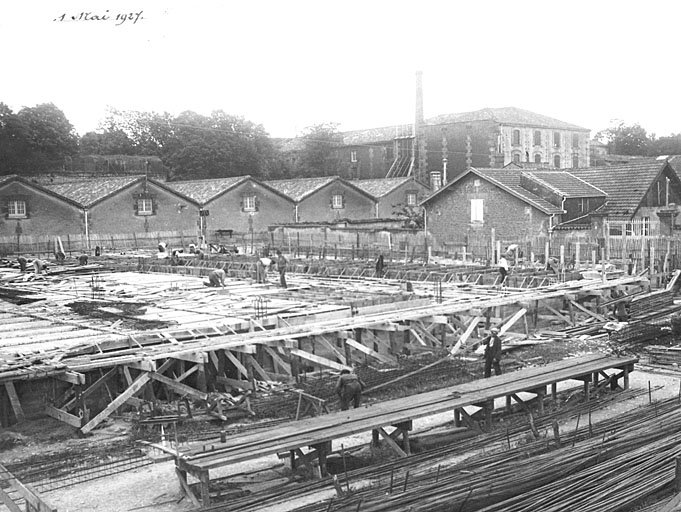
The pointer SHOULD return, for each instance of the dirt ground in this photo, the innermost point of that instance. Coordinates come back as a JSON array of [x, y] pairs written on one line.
[[154, 487]]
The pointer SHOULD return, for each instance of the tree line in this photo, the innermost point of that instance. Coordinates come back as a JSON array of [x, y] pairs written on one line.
[[41, 139], [634, 140]]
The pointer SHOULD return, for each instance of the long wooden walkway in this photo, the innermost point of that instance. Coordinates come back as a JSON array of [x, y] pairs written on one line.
[[319, 432]]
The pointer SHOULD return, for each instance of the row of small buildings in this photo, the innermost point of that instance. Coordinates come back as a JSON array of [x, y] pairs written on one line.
[[516, 202], [240, 204]]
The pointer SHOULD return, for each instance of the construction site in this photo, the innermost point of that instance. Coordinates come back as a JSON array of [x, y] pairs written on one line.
[[128, 384]]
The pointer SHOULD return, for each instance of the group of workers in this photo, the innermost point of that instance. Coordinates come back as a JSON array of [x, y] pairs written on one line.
[[216, 277]]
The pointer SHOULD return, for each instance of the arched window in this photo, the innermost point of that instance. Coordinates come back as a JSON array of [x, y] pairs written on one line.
[[516, 137], [575, 161], [516, 158], [537, 158], [537, 138], [556, 161]]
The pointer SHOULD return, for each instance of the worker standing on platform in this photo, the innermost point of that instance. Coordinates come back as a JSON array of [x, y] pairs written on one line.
[[492, 345], [503, 269], [380, 264], [216, 278], [281, 267], [349, 388]]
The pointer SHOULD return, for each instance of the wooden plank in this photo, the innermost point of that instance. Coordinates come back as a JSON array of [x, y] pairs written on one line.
[[258, 369], [136, 386], [182, 389], [75, 378], [9, 502], [32, 498], [240, 367], [182, 477], [70, 419], [598, 317], [391, 442], [518, 314], [370, 352], [557, 313], [322, 361], [14, 400], [278, 360], [467, 334], [332, 348]]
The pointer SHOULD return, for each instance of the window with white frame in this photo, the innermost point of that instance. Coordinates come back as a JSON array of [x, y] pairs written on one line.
[[353, 156], [476, 210], [411, 198], [145, 206], [337, 201], [16, 208], [583, 205], [249, 203]]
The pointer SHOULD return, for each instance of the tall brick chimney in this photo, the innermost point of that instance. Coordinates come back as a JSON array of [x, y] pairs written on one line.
[[421, 161]]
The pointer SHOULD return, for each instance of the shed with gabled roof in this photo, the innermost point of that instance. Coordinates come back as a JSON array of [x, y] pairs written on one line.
[[130, 204], [31, 209], [394, 196], [326, 199], [239, 204]]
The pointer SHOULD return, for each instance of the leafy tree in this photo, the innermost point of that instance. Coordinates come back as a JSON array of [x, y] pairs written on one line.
[[669, 145], [623, 139], [319, 155], [412, 215], [14, 142], [114, 142]]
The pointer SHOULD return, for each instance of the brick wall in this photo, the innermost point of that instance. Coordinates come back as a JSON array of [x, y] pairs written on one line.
[[117, 213], [227, 212], [449, 214], [317, 207], [373, 161], [483, 136], [47, 215]]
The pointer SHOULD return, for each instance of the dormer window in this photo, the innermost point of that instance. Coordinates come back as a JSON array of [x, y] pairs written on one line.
[[145, 206], [16, 209]]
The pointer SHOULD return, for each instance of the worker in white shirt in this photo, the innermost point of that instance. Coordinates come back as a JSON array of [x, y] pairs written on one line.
[[261, 267]]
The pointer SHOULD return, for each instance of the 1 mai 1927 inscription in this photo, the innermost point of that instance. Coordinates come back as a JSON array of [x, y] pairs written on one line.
[[118, 19]]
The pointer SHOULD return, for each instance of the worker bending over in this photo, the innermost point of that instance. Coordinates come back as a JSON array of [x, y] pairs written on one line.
[[216, 278], [261, 268], [349, 388], [39, 265]]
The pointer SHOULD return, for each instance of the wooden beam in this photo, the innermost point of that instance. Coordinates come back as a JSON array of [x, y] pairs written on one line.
[[278, 360], [9, 502], [391, 442], [518, 314], [182, 477], [145, 365], [136, 386], [332, 348], [598, 317], [33, 499], [240, 367], [370, 352], [180, 388], [467, 334], [322, 361], [69, 419], [14, 400], [557, 313], [186, 374], [258, 369], [192, 357], [73, 377]]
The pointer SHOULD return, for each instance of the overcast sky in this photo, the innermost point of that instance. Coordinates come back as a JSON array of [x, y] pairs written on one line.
[[289, 64]]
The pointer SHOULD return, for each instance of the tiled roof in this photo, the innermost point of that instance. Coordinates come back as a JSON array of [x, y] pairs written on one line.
[[506, 116], [203, 191], [380, 187], [564, 183], [383, 134], [89, 192], [509, 180], [299, 189], [625, 184]]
